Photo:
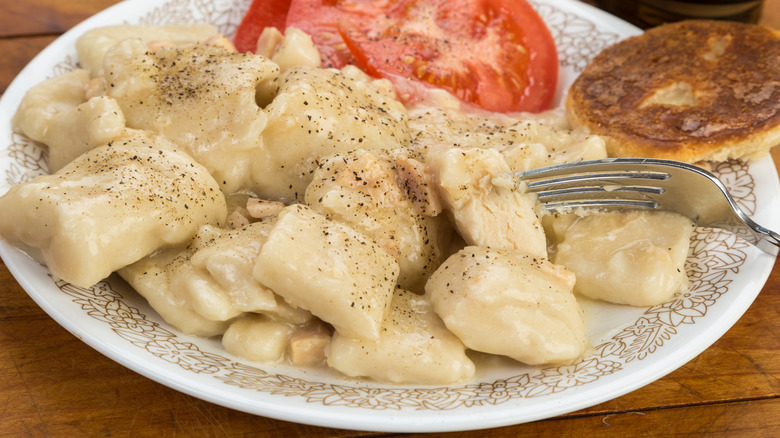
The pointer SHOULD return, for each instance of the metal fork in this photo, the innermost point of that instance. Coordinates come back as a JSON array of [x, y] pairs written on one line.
[[646, 183]]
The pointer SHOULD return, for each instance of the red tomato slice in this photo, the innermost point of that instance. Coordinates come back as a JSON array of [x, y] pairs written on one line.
[[494, 54], [261, 14]]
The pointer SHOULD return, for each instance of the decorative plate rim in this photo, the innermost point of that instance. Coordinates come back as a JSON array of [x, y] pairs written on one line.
[[110, 317]]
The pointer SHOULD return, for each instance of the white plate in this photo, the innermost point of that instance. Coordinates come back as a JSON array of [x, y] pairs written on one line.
[[633, 346]]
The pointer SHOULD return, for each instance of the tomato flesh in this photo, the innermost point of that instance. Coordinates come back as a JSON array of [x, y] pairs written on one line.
[[497, 55]]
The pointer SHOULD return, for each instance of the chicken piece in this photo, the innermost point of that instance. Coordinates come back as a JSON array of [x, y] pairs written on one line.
[[244, 209], [419, 183], [263, 339], [110, 207], [509, 303], [293, 49], [329, 269], [221, 41], [633, 257], [486, 214], [308, 344], [237, 219], [260, 208], [414, 348], [372, 195]]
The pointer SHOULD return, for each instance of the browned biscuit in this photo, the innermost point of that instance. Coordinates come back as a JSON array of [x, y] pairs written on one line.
[[690, 91]]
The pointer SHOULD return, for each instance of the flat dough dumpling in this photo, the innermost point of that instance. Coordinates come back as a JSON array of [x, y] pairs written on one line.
[[222, 285], [316, 112], [486, 214], [210, 279], [56, 113], [329, 269], [633, 257], [48, 98], [257, 338], [92, 46], [200, 97], [365, 191], [508, 303], [158, 278], [110, 207], [93, 123], [414, 348]]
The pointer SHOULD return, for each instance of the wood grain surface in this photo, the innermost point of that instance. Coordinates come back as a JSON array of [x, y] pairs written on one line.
[[53, 385]]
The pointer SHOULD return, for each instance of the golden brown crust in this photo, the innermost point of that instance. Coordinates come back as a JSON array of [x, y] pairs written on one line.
[[694, 90]]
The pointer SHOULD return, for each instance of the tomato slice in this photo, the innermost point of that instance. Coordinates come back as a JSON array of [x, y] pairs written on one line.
[[494, 54], [261, 14]]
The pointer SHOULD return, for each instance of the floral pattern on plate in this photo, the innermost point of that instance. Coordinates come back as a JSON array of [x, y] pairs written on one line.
[[115, 320]]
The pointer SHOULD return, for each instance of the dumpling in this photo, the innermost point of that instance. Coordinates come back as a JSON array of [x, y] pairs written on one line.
[[200, 97], [414, 347], [487, 214], [56, 112], [329, 269], [210, 279], [93, 44], [387, 200], [508, 303], [257, 338], [315, 112], [48, 98], [110, 207], [632, 257], [158, 279], [221, 284]]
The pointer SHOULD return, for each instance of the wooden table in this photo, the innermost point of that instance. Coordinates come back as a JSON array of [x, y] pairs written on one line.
[[52, 384]]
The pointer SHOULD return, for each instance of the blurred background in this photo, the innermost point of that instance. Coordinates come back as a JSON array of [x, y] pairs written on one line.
[[649, 13]]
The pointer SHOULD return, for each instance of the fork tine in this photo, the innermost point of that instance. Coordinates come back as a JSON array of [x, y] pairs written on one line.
[[601, 203], [596, 196], [590, 178], [599, 192], [595, 184], [670, 186], [600, 165]]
